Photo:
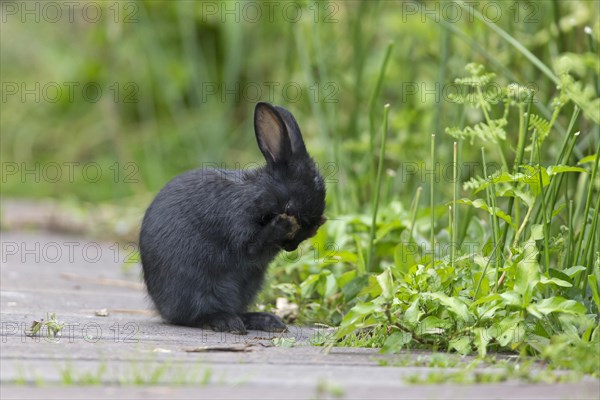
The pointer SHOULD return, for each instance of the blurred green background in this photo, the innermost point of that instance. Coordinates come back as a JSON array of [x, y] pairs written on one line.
[[106, 101]]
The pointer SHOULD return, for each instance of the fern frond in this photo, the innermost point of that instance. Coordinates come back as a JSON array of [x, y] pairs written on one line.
[[487, 133]]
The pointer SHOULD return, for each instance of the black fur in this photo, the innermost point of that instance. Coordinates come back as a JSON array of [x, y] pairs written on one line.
[[207, 238]]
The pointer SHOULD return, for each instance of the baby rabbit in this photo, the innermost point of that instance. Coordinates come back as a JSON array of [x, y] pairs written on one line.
[[208, 236]]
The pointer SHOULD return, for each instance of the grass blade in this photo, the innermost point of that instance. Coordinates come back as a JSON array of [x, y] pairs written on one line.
[[432, 199], [386, 110], [453, 208], [515, 43], [372, 101], [491, 199]]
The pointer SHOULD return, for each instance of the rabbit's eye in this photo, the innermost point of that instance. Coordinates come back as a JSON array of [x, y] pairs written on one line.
[[288, 208], [266, 218]]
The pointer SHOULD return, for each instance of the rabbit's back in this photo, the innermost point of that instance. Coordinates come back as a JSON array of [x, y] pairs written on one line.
[[193, 261]]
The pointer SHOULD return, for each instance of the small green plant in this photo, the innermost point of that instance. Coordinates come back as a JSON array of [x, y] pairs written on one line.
[[51, 326], [284, 342]]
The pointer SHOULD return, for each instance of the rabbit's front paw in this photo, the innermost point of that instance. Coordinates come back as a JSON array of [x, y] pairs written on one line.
[[283, 227], [224, 322], [292, 225], [280, 229], [262, 321]]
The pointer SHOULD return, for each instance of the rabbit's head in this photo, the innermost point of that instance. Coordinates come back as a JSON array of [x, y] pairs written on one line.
[[296, 188]]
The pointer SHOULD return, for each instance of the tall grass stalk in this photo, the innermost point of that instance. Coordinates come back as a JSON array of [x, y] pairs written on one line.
[[432, 199], [485, 268], [325, 117], [563, 158], [567, 259], [524, 224], [491, 199], [384, 130], [373, 101], [557, 14], [586, 210], [523, 124], [591, 239], [442, 71], [453, 213], [358, 63], [450, 229], [591, 248], [545, 211], [565, 146], [414, 208]]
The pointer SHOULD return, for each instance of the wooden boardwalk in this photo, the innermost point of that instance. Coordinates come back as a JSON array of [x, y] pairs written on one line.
[[130, 353]]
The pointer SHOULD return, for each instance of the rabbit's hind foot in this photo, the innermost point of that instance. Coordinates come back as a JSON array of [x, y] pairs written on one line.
[[224, 322], [262, 321]]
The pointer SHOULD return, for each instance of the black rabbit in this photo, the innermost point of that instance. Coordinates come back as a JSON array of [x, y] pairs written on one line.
[[207, 238]]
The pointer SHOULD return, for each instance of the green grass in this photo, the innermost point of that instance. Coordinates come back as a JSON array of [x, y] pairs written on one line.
[[470, 225], [129, 374], [532, 301]]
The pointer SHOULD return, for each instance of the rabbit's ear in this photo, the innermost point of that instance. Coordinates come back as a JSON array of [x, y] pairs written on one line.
[[271, 134], [293, 130]]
